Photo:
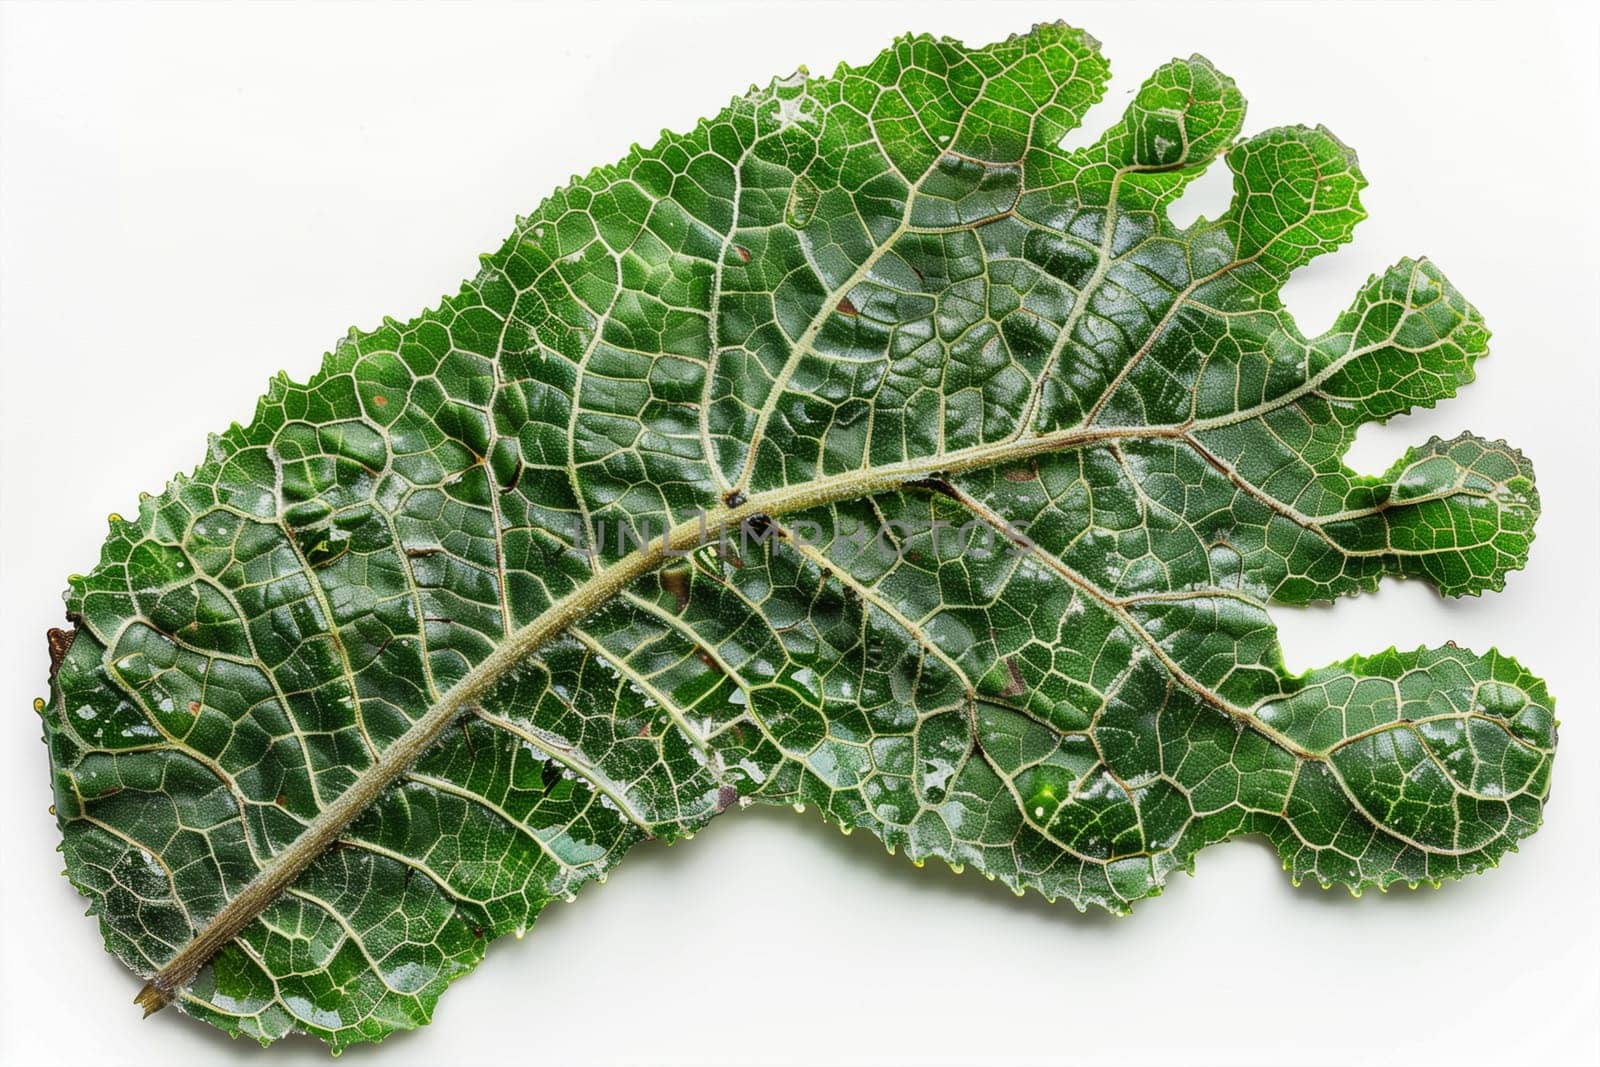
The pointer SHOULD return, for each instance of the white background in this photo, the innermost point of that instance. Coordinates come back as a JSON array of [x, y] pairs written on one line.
[[195, 197]]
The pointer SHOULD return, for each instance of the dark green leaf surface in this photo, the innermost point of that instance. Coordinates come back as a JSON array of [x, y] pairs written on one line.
[[351, 694]]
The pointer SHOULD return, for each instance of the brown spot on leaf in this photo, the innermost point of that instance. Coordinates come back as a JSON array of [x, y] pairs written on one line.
[[60, 642], [1029, 473], [1015, 686], [847, 308], [380, 400], [676, 582], [727, 796], [758, 525], [936, 485], [194, 707], [733, 497], [742, 252], [282, 800]]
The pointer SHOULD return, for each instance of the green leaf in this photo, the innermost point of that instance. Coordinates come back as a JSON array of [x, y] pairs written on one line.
[[968, 479]]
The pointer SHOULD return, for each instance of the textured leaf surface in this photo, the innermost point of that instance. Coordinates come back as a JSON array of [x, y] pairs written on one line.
[[351, 701]]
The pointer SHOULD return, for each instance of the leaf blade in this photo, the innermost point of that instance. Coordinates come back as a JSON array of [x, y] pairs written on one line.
[[400, 711]]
